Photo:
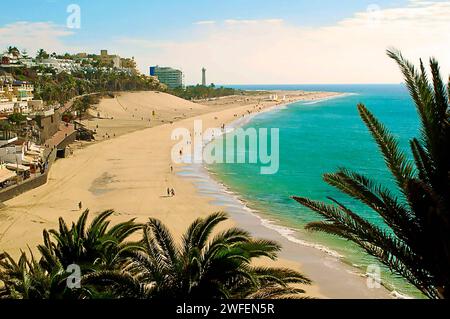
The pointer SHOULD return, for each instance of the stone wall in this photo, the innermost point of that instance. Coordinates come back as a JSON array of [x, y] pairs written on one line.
[[27, 185], [16, 190], [68, 140], [49, 125]]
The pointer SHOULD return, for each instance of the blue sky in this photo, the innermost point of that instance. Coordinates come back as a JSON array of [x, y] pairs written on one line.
[[163, 19], [248, 34]]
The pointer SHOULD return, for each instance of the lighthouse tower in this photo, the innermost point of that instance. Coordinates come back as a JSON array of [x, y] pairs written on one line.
[[204, 77]]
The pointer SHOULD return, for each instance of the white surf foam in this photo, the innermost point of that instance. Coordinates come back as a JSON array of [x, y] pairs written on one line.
[[329, 98], [290, 233]]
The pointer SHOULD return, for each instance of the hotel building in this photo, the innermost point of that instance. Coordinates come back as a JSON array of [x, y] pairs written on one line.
[[110, 60], [16, 96], [173, 78]]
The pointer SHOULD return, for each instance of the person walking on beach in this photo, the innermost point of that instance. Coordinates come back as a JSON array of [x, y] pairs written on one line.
[[168, 192], [80, 205], [173, 192]]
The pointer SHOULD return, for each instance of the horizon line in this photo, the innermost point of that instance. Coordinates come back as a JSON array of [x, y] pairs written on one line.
[[292, 84]]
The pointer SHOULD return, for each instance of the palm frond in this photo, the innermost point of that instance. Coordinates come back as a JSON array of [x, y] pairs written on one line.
[[378, 198], [165, 242], [396, 160]]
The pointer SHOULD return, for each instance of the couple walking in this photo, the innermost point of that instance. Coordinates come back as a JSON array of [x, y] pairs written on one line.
[[170, 192]]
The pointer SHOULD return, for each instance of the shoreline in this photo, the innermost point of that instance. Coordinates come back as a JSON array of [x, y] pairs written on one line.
[[130, 174], [314, 260], [265, 227]]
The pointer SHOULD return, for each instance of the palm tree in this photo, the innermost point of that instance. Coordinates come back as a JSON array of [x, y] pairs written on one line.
[[96, 248], [41, 54], [13, 51], [27, 279], [417, 243], [201, 267]]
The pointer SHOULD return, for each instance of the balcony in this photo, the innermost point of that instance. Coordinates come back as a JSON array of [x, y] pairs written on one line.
[[7, 137]]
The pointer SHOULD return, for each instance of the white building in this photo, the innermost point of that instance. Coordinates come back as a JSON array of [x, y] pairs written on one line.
[[17, 96], [61, 65], [19, 152], [6, 102], [28, 62], [9, 59], [13, 153]]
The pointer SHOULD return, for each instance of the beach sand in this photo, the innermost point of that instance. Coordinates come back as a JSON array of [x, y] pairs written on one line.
[[131, 173]]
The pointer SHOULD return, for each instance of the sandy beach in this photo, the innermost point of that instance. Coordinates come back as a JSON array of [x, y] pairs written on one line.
[[130, 170]]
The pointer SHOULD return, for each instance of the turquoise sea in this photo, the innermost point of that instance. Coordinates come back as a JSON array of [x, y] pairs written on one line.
[[316, 138]]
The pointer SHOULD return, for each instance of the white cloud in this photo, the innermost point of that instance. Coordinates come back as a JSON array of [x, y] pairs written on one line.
[[205, 22], [234, 22], [351, 51], [34, 35]]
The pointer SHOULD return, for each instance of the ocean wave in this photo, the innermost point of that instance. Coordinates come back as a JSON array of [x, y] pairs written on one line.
[[394, 293], [234, 201], [329, 98], [398, 295], [289, 234]]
